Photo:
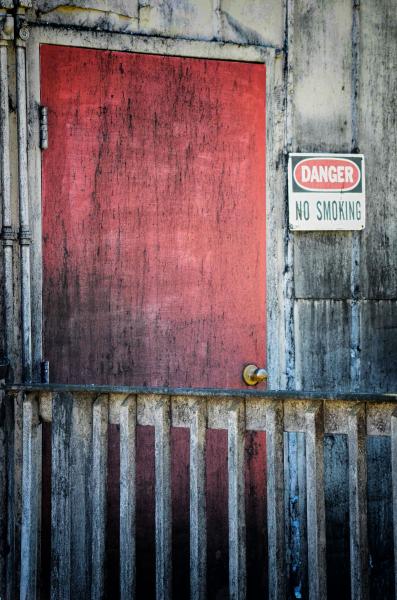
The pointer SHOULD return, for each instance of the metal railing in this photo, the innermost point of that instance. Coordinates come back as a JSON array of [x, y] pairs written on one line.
[[80, 417]]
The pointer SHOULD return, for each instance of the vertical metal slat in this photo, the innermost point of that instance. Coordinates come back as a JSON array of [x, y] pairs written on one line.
[[237, 566], [315, 503], [163, 499], [128, 415], [99, 479], [198, 525], [358, 503]]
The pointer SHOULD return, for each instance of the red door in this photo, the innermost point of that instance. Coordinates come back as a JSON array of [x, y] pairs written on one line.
[[153, 191]]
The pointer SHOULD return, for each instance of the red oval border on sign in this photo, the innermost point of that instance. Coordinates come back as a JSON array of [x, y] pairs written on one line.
[[327, 162]]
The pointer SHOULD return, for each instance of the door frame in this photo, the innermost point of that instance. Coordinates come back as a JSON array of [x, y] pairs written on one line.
[[277, 290]]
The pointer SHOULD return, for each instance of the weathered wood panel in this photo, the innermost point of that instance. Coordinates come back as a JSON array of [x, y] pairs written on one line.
[[198, 520], [3, 494], [336, 487], [316, 255], [322, 338], [216, 491], [377, 138], [255, 22], [312, 416], [322, 265], [394, 489], [80, 473], [378, 354], [13, 424], [113, 512], [145, 514], [154, 248], [127, 8], [61, 508], [321, 63], [278, 260], [295, 514], [98, 495], [358, 503], [257, 537], [182, 575], [45, 517], [30, 498], [316, 543], [127, 498], [275, 502], [163, 510], [78, 16], [380, 518], [236, 504], [195, 19]]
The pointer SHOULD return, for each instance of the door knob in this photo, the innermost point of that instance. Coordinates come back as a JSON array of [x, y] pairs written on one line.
[[253, 374]]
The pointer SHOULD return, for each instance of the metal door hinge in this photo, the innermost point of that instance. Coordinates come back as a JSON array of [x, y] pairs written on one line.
[[43, 115]]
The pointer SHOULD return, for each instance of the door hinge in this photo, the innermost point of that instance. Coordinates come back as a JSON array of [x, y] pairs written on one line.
[[43, 116]]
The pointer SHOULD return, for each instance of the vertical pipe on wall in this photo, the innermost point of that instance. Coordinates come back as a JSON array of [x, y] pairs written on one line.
[[5, 190], [24, 231]]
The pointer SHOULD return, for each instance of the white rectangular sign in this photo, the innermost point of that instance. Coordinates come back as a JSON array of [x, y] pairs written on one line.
[[326, 192]]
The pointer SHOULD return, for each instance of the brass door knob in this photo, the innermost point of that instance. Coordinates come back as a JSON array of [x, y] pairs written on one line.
[[253, 374]]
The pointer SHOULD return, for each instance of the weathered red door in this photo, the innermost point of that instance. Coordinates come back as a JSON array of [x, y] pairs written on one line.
[[153, 192], [153, 218]]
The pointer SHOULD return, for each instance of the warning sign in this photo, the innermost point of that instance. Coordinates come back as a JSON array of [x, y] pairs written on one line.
[[326, 192]]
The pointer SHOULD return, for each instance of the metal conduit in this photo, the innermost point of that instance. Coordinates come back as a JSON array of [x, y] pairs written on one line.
[[7, 231], [24, 231]]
